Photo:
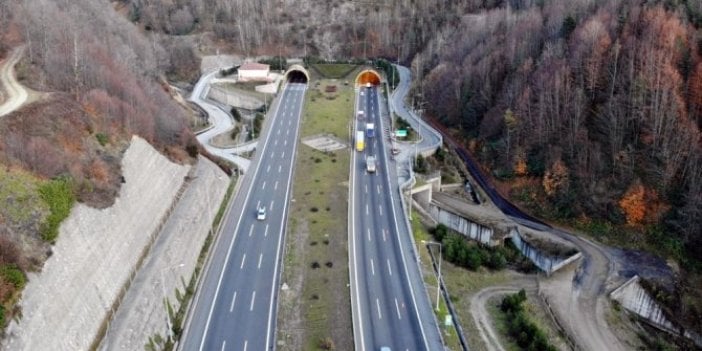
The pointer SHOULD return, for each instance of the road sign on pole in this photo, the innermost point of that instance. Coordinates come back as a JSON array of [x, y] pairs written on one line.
[[401, 133]]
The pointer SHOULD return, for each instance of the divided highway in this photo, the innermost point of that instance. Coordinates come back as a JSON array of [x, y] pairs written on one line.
[[236, 305], [388, 309]]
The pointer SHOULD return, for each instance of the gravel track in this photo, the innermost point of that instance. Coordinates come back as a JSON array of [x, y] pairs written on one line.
[[16, 94]]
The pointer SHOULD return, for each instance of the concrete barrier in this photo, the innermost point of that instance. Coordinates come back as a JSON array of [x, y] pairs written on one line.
[[548, 264], [463, 225], [634, 298]]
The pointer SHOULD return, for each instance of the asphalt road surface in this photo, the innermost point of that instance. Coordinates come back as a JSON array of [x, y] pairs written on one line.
[[385, 306], [236, 305], [221, 122]]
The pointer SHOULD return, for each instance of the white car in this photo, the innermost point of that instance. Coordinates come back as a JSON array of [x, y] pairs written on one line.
[[261, 213]]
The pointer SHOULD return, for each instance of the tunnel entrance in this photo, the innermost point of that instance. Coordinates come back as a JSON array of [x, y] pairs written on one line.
[[368, 76], [297, 74]]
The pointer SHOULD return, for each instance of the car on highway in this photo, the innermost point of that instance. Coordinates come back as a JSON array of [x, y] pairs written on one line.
[[261, 213], [370, 164]]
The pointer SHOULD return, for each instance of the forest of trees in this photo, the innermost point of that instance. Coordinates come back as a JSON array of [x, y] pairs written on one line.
[[100, 81], [599, 102], [106, 79], [588, 110]]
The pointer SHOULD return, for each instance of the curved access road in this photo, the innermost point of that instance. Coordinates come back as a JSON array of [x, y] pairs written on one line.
[[220, 120], [431, 138], [585, 295], [16, 93]]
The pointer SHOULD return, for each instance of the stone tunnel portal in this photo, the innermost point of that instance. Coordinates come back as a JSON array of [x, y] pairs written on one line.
[[297, 74]]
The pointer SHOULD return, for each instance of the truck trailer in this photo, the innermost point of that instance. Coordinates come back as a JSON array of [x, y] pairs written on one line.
[[360, 141]]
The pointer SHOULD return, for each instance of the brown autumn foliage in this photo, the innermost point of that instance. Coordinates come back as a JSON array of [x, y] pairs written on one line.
[[617, 95], [556, 178], [102, 76], [633, 203]]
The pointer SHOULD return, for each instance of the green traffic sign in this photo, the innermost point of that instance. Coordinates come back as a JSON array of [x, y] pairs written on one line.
[[401, 133]]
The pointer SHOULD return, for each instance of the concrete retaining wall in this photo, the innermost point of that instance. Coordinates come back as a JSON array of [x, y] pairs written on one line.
[[545, 262], [463, 225], [65, 305], [237, 100], [170, 263], [634, 298]]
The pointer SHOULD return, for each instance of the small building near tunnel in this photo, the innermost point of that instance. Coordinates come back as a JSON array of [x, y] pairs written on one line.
[[253, 71]]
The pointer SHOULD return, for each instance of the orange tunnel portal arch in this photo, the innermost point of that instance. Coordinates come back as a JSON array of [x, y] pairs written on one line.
[[368, 76]]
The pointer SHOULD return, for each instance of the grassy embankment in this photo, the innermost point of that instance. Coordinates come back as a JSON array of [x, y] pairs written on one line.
[[335, 70], [462, 284], [421, 235], [36, 205], [315, 313]]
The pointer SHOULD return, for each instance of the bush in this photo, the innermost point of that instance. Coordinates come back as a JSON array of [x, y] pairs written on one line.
[[102, 138], [58, 194], [497, 261], [192, 149], [276, 63], [258, 124], [327, 344], [13, 275], [439, 232], [236, 114], [235, 132], [524, 332], [421, 166]]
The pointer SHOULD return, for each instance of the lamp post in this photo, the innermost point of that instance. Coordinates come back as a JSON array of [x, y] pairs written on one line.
[[438, 279]]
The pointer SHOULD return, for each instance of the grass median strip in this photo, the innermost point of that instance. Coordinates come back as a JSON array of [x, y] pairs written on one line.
[[314, 309]]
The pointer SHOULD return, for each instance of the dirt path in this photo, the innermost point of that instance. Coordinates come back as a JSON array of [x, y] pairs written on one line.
[[482, 318], [16, 94], [579, 297]]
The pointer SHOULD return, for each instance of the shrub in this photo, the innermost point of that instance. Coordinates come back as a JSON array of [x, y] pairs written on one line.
[[327, 344], [192, 149], [58, 194], [13, 275], [527, 335], [236, 114], [440, 232], [102, 138]]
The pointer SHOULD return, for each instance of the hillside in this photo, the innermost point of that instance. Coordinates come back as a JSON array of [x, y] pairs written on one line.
[[587, 113], [101, 80]]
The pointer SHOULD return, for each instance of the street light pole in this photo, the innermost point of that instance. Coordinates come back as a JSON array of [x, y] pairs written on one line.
[[438, 278]]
